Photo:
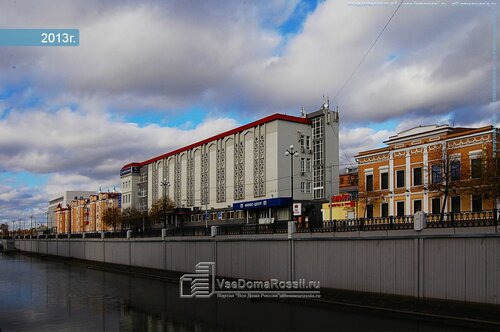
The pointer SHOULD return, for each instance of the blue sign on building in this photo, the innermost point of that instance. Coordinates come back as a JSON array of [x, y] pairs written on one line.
[[263, 203]]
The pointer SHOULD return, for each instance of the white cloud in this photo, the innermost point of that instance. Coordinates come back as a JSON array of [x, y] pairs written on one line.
[[429, 60], [355, 140], [431, 63], [89, 143], [80, 151]]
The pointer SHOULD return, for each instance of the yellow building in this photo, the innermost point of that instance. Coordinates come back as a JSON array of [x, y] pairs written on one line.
[[423, 165], [84, 215], [343, 206]]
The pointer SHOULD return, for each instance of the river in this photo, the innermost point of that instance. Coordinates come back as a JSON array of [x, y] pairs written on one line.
[[46, 295]]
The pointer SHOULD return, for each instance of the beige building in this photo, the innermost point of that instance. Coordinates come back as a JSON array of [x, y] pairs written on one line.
[[421, 166]]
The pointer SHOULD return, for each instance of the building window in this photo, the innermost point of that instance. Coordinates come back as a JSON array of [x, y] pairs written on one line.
[[400, 209], [384, 181], [305, 142], [436, 174], [317, 127], [369, 211], [455, 204], [369, 182], [436, 205], [417, 176], [384, 210], [477, 203], [455, 170], [475, 167], [318, 157], [305, 165], [400, 179], [305, 187], [143, 177], [417, 205]]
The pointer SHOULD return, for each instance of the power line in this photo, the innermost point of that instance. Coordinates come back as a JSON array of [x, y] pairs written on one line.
[[367, 52]]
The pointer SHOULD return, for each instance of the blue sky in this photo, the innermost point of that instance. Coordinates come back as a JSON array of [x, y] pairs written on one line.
[[151, 77]]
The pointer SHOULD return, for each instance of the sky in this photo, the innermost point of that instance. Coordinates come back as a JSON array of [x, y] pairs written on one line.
[[152, 76]]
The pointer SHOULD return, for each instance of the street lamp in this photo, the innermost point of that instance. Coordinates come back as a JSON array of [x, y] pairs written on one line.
[[165, 184], [290, 152]]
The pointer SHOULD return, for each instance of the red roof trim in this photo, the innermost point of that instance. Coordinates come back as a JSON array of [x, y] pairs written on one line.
[[259, 122]]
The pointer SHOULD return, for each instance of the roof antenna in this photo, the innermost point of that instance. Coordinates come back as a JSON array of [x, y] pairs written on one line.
[[453, 123]]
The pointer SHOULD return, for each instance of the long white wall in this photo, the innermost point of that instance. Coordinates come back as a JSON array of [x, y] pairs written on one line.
[[435, 264]]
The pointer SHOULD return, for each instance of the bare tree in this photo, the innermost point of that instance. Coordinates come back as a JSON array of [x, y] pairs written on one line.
[[484, 180], [4, 228], [132, 218], [366, 198], [112, 217], [159, 210], [451, 174]]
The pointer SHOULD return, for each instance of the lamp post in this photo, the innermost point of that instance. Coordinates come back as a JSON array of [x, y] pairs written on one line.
[[165, 184], [290, 152], [48, 226]]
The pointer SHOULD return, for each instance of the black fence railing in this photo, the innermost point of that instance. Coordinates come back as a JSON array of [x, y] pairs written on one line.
[[463, 219], [446, 220]]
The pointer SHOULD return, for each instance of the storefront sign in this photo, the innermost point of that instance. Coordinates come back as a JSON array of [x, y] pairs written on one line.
[[297, 209], [263, 203]]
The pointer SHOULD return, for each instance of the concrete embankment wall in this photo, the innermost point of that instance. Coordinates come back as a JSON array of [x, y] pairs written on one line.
[[461, 265]]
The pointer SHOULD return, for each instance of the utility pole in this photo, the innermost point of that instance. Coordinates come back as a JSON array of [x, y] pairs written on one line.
[[165, 185], [291, 153], [331, 191]]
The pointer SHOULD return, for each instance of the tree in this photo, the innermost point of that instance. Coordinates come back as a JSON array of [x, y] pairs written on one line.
[[455, 174], [486, 181], [112, 217], [366, 198], [160, 209], [4, 228], [132, 218]]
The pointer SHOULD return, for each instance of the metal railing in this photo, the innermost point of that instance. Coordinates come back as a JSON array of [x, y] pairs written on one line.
[[446, 220]]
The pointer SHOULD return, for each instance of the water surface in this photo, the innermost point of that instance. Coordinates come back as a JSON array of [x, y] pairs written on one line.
[[45, 295]]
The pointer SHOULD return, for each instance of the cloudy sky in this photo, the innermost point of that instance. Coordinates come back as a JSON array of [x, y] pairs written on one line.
[[152, 76]]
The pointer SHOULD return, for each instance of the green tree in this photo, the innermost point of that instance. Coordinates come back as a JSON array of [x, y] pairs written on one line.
[[112, 217]]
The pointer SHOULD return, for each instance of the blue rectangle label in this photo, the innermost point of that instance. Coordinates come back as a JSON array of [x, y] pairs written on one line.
[[39, 37]]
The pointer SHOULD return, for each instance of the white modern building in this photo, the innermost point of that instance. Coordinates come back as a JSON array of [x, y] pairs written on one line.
[[64, 199], [243, 175]]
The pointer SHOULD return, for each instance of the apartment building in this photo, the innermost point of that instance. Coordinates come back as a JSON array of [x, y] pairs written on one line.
[[84, 215]]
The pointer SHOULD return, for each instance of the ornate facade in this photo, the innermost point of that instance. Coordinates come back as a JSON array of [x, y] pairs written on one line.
[[428, 168], [241, 165]]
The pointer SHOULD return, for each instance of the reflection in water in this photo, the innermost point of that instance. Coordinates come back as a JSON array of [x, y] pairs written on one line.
[[45, 295]]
